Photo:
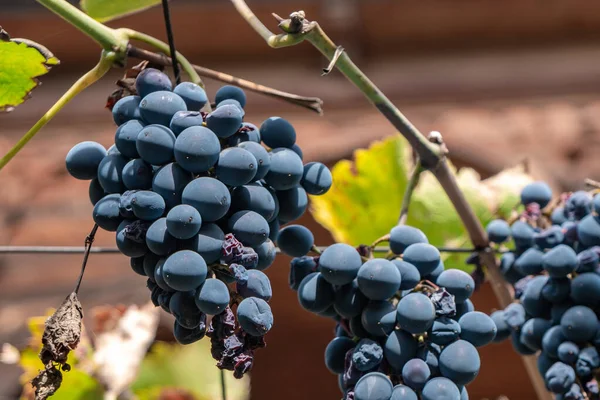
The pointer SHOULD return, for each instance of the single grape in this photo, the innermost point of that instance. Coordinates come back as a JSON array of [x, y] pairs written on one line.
[[367, 355], [224, 121], [568, 352], [110, 173], [533, 331], [522, 234], [316, 179], [247, 133], [460, 362], [378, 279], [147, 205], [151, 80], [440, 388], [551, 340], [349, 300], [266, 252], [301, 267], [193, 95], [255, 316], [423, 256], [415, 373], [212, 297], [150, 261], [558, 216], [84, 159], [126, 109], [379, 318], [530, 262], [536, 192], [549, 238], [559, 378], [254, 197], [274, 229], [460, 284], [588, 261], [230, 92], [249, 227], [185, 119], [498, 231], [185, 270], [585, 289], [532, 300], [416, 313], [292, 203], [209, 196], [277, 132], [579, 324], [160, 107], [159, 240], [233, 102], [339, 263], [587, 362], [208, 242], [373, 386], [257, 285], [588, 230], [286, 169], [295, 240], [402, 392], [544, 362], [183, 221], [170, 182], [96, 191], [155, 144], [261, 155], [189, 336], [137, 175], [159, 278], [335, 353], [507, 267], [236, 166], [402, 236], [502, 328], [296, 149], [197, 149], [409, 274], [463, 308], [560, 261], [106, 212], [184, 309], [130, 245], [315, 294], [126, 137], [137, 265], [579, 204], [444, 331]]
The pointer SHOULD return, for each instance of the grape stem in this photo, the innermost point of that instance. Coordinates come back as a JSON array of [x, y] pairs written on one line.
[[432, 154], [89, 240], [106, 61], [412, 184]]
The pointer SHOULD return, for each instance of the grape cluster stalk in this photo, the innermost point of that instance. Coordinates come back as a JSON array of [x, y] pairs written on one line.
[[196, 201], [406, 327], [555, 271]]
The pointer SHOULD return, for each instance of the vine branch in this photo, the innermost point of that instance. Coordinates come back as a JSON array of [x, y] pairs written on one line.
[[412, 184], [89, 240]]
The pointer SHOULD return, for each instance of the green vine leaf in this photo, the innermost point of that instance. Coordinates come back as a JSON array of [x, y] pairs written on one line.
[[22, 61], [106, 10], [364, 201]]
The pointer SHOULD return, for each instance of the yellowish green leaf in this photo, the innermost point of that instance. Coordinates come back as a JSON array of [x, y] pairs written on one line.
[[22, 61], [106, 10]]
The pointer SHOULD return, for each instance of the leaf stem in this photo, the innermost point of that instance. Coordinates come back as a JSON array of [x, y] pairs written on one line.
[[412, 184], [89, 240], [106, 61], [164, 47]]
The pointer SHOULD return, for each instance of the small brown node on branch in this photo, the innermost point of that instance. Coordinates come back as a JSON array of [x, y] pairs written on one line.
[[4, 36], [294, 24]]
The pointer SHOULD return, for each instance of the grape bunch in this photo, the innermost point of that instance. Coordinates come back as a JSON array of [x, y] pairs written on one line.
[[196, 201], [554, 269], [406, 328]]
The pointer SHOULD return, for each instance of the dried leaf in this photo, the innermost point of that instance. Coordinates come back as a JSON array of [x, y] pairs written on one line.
[[47, 382], [62, 332]]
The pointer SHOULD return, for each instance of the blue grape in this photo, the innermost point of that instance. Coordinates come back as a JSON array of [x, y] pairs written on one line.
[[378, 279], [254, 197], [402, 236], [498, 231], [567, 352], [170, 182], [551, 340], [444, 331], [460, 362], [588, 261], [257, 285], [106, 212], [560, 261], [126, 109], [197, 149], [409, 274], [193, 95], [315, 294], [277, 132], [296, 149], [522, 234], [126, 137], [463, 308], [152, 80], [96, 191], [402, 392], [536, 192], [185, 270], [147, 205], [400, 346], [434, 275], [549, 238], [125, 205], [416, 313], [137, 265], [339, 263], [183, 221], [295, 240], [236, 166], [188, 336], [208, 242], [213, 296], [185, 119], [458, 283], [423, 256], [159, 240], [137, 175], [558, 310], [585, 289], [247, 133], [209, 196], [533, 301], [286, 169], [184, 309], [415, 373], [502, 328], [160, 107], [559, 378], [588, 231], [159, 278], [533, 331], [266, 254], [379, 318], [349, 300], [544, 362], [587, 361], [510, 273], [300, 268], [155, 144], [579, 204], [558, 216], [579, 324], [274, 229], [373, 386], [249, 227], [127, 245], [84, 159], [262, 158], [255, 316], [150, 261], [367, 355], [316, 179], [292, 203], [530, 262], [110, 173], [113, 150], [440, 388], [335, 353], [225, 120], [232, 102], [230, 92]]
